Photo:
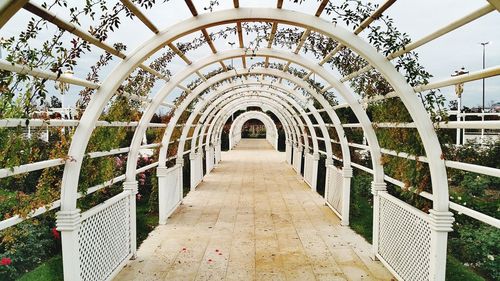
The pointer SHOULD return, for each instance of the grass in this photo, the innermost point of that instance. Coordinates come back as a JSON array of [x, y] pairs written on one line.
[[456, 271], [362, 222], [51, 270]]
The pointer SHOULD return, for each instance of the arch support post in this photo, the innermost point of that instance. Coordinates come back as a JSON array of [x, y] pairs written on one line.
[[288, 152], [346, 194], [132, 188], [377, 188], [68, 223], [210, 151], [169, 190], [195, 170], [297, 158], [218, 150], [441, 222], [314, 177]]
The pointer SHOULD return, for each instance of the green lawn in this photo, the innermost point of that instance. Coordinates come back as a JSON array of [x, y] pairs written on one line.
[[50, 270]]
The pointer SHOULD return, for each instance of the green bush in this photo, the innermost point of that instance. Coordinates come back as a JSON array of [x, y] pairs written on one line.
[[478, 247], [26, 246]]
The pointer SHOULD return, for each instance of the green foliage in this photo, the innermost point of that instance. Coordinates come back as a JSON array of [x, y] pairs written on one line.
[[456, 271], [27, 245], [50, 270], [478, 248]]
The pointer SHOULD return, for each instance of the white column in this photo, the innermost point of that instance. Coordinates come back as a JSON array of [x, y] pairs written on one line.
[[194, 170], [209, 149], [377, 187], [132, 187], [218, 149], [314, 180], [441, 223], [346, 194], [288, 152], [68, 223], [298, 165], [169, 190]]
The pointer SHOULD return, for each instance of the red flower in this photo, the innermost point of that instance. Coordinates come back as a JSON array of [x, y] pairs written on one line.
[[5, 261], [56, 234]]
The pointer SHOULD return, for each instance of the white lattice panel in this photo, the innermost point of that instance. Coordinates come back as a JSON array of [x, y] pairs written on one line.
[[404, 238], [297, 159], [334, 188], [104, 239], [308, 168]]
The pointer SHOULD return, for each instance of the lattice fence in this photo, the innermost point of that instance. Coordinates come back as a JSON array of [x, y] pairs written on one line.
[[404, 238], [334, 188], [104, 238], [308, 169], [297, 159]]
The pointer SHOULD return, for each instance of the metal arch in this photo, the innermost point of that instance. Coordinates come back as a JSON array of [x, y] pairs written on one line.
[[272, 72], [295, 121], [240, 104], [264, 83], [331, 113], [361, 114], [121, 72], [279, 101], [289, 130], [278, 94], [287, 99], [270, 91], [416, 110], [249, 115], [293, 93], [277, 73]]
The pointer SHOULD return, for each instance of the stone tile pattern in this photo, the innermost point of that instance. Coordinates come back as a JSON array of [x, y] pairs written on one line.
[[253, 218]]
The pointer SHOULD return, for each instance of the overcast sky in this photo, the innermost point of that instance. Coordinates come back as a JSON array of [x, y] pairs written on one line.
[[441, 57]]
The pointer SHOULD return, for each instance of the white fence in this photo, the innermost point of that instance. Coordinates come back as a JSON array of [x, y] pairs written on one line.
[[196, 169], [309, 169], [297, 159], [334, 189], [104, 239], [404, 239], [169, 190]]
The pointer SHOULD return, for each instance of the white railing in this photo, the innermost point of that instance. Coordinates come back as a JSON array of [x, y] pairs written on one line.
[[404, 240], [308, 169], [104, 239], [169, 190], [334, 189]]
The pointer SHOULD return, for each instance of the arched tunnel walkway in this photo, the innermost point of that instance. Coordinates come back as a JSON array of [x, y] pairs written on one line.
[[253, 218]]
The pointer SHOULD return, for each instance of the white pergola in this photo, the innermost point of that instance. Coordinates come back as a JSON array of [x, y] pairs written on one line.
[[217, 97]]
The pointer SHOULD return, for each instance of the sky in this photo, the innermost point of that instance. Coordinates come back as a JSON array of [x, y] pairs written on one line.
[[460, 48]]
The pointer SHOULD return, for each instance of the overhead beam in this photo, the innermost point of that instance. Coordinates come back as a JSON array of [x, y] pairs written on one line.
[[133, 8]]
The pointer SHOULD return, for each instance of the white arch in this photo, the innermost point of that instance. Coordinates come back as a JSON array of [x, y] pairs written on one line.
[[236, 127]]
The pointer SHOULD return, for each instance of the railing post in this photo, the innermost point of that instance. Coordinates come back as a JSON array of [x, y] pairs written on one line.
[[133, 188], [218, 152], [299, 152], [346, 194], [209, 157], [315, 163], [441, 222], [288, 152], [194, 170], [68, 223], [377, 187], [328, 163]]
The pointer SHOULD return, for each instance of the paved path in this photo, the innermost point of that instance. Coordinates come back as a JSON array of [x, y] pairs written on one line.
[[253, 218]]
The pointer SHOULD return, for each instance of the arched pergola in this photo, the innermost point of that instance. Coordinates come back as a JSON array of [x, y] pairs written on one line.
[[411, 243]]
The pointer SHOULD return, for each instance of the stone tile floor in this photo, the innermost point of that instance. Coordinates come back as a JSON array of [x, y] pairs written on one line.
[[253, 218]]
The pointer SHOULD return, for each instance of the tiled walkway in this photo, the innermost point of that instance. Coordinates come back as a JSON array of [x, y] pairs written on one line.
[[253, 218]]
